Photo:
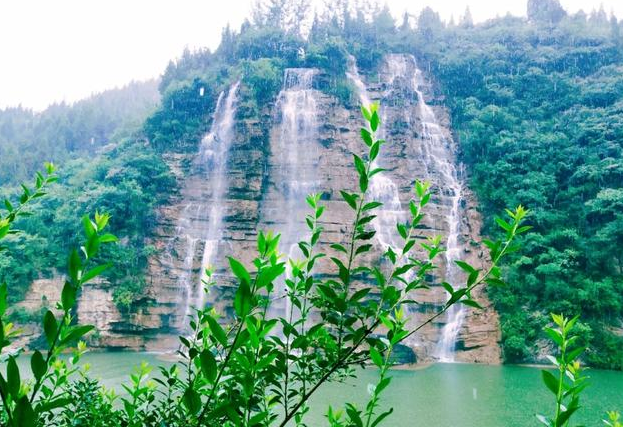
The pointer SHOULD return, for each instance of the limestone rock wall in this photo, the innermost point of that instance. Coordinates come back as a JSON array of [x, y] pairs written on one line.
[[254, 201]]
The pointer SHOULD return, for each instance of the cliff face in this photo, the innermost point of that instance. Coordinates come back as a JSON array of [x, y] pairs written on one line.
[[306, 147]]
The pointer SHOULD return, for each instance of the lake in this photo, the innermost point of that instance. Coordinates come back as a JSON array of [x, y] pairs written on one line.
[[440, 395]]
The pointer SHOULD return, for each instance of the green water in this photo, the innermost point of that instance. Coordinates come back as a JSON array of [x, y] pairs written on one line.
[[444, 395]]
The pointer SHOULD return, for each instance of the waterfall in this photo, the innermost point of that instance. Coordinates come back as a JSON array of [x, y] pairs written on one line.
[[381, 187], [213, 156], [298, 153], [200, 222], [439, 156]]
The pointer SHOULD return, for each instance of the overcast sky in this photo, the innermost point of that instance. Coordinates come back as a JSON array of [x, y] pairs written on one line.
[[54, 50]]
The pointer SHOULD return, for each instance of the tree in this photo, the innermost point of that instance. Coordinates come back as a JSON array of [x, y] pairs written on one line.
[[466, 20], [429, 24], [545, 11]]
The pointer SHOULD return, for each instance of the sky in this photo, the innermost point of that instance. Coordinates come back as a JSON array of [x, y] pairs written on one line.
[[65, 50]]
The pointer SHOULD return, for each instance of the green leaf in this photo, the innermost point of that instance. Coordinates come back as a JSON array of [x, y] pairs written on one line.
[[239, 270], [408, 246], [374, 150], [68, 296], [38, 365], [361, 293], [382, 385], [371, 205], [13, 378], [108, 238], [363, 248], [217, 331], [381, 417], [4, 292], [89, 226], [376, 357], [574, 354], [366, 136], [95, 271], [50, 326], [74, 265], [208, 365], [343, 272], [269, 274], [365, 112], [363, 183], [243, 299], [59, 402], [374, 121], [565, 415], [554, 335], [24, 416], [366, 219], [465, 266], [339, 247], [550, 381], [359, 165], [402, 230], [191, 400], [471, 303], [75, 333], [351, 199], [503, 224]]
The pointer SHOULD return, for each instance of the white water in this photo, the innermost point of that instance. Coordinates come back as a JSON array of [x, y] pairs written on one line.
[[439, 158], [381, 187], [213, 155], [211, 161], [298, 149]]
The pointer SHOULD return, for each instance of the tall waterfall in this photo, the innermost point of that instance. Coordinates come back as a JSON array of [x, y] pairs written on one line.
[[381, 187], [201, 221], [298, 148], [439, 155], [213, 155]]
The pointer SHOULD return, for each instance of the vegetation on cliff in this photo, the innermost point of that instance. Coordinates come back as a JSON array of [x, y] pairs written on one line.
[[538, 108]]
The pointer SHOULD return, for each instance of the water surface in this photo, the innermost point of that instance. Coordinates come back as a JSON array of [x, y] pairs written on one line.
[[442, 395]]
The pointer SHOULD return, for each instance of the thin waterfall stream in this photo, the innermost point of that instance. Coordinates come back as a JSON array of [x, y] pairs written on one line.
[[199, 227], [297, 146], [213, 156], [439, 158], [381, 188]]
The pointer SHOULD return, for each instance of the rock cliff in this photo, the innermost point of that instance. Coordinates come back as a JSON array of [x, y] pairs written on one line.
[[275, 158]]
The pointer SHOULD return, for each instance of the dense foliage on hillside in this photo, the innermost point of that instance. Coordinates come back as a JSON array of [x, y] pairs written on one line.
[[104, 167], [538, 108], [63, 132]]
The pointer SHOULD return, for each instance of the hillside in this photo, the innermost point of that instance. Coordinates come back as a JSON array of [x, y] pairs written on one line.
[[531, 108]]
